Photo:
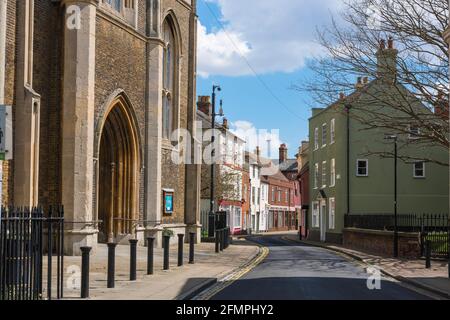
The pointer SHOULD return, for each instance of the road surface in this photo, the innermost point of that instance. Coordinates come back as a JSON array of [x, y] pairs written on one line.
[[295, 271]]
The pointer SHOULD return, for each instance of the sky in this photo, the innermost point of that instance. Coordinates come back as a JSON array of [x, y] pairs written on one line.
[[256, 50]]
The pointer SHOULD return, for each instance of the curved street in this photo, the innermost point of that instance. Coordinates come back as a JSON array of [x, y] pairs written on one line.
[[294, 271]]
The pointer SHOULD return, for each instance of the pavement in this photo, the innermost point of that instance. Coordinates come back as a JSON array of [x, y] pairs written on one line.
[[297, 271], [177, 283], [411, 271]]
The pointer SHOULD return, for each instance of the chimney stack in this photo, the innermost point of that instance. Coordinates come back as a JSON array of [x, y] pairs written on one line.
[[387, 61], [225, 123], [283, 153], [204, 104], [441, 108]]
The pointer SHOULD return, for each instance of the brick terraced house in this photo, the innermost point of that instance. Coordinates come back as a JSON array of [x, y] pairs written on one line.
[[97, 87]]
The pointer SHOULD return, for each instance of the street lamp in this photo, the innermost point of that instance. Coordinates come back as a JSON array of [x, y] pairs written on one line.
[[395, 139], [212, 220]]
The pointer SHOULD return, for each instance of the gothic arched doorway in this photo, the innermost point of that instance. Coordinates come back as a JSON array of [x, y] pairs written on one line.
[[118, 178]]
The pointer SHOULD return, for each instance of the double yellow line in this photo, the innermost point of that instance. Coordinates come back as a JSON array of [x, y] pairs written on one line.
[[230, 279]]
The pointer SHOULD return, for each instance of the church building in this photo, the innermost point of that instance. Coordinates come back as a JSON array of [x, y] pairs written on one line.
[[98, 90]]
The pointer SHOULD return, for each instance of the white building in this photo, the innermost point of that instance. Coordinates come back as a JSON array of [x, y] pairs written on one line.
[[264, 208], [259, 194]]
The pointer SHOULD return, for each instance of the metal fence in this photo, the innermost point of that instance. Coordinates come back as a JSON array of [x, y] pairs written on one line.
[[26, 234], [211, 222], [433, 227]]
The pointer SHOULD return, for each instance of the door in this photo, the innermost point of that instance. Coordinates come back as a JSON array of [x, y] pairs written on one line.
[[323, 220]]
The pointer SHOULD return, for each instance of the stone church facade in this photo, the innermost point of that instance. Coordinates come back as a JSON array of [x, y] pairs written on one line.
[[97, 88]]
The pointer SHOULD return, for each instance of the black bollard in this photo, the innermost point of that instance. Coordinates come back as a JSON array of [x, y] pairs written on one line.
[[150, 249], [217, 241], [222, 239], [111, 265], [133, 257], [228, 237], [225, 238], [166, 252], [191, 247], [300, 233], [85, 251], [180, 249], [428, 254]]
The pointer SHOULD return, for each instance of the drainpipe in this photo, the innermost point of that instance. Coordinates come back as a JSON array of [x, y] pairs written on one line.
[[347, 109]]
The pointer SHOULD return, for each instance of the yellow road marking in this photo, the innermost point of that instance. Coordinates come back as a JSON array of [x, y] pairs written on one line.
[[230, 279]]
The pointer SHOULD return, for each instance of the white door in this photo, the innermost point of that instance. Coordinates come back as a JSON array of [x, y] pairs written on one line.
[[323, 220]]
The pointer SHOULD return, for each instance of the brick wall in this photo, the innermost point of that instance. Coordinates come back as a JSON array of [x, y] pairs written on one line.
[[9, 92], [47, 49], [382, 242]]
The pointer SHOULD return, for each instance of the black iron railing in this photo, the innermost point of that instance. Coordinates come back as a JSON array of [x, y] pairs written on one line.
[[433, 227], [26, 234]]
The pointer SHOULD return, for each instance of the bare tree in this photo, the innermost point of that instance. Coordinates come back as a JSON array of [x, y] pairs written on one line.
[[414, 72], [227, 183]]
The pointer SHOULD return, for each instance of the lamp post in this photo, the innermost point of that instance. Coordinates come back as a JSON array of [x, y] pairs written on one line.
[[213, 154], [394, 138]]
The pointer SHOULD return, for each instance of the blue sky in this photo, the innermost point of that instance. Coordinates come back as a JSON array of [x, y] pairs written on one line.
[[256, 49]]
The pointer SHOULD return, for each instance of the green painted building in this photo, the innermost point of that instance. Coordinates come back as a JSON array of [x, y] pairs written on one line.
[[348, 175]]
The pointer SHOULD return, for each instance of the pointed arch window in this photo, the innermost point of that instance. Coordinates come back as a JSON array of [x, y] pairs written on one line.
[[169, 75]]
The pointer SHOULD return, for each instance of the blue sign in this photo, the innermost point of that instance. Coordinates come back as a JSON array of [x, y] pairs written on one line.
[[168, 203]]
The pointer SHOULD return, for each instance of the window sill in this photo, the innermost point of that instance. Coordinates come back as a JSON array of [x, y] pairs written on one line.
[[360, 176], [420, 178]]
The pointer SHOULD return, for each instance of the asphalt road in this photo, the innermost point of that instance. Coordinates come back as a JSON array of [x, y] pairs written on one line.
[[299, 272]]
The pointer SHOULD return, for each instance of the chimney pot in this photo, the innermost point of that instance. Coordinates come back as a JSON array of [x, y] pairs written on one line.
[[382, 44], [342, 96], [391, 43]]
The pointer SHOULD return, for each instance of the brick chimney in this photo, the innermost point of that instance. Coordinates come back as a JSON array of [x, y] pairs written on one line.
[[283, 153], [204, 104], [441, 108], [387, 61], [225, 123]]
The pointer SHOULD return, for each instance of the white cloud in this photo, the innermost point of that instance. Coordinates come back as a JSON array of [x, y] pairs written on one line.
[[273, 36], [268, 140]]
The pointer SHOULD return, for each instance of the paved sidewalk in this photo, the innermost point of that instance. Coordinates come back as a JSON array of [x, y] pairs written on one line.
[[412, 272], [176, 283]]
